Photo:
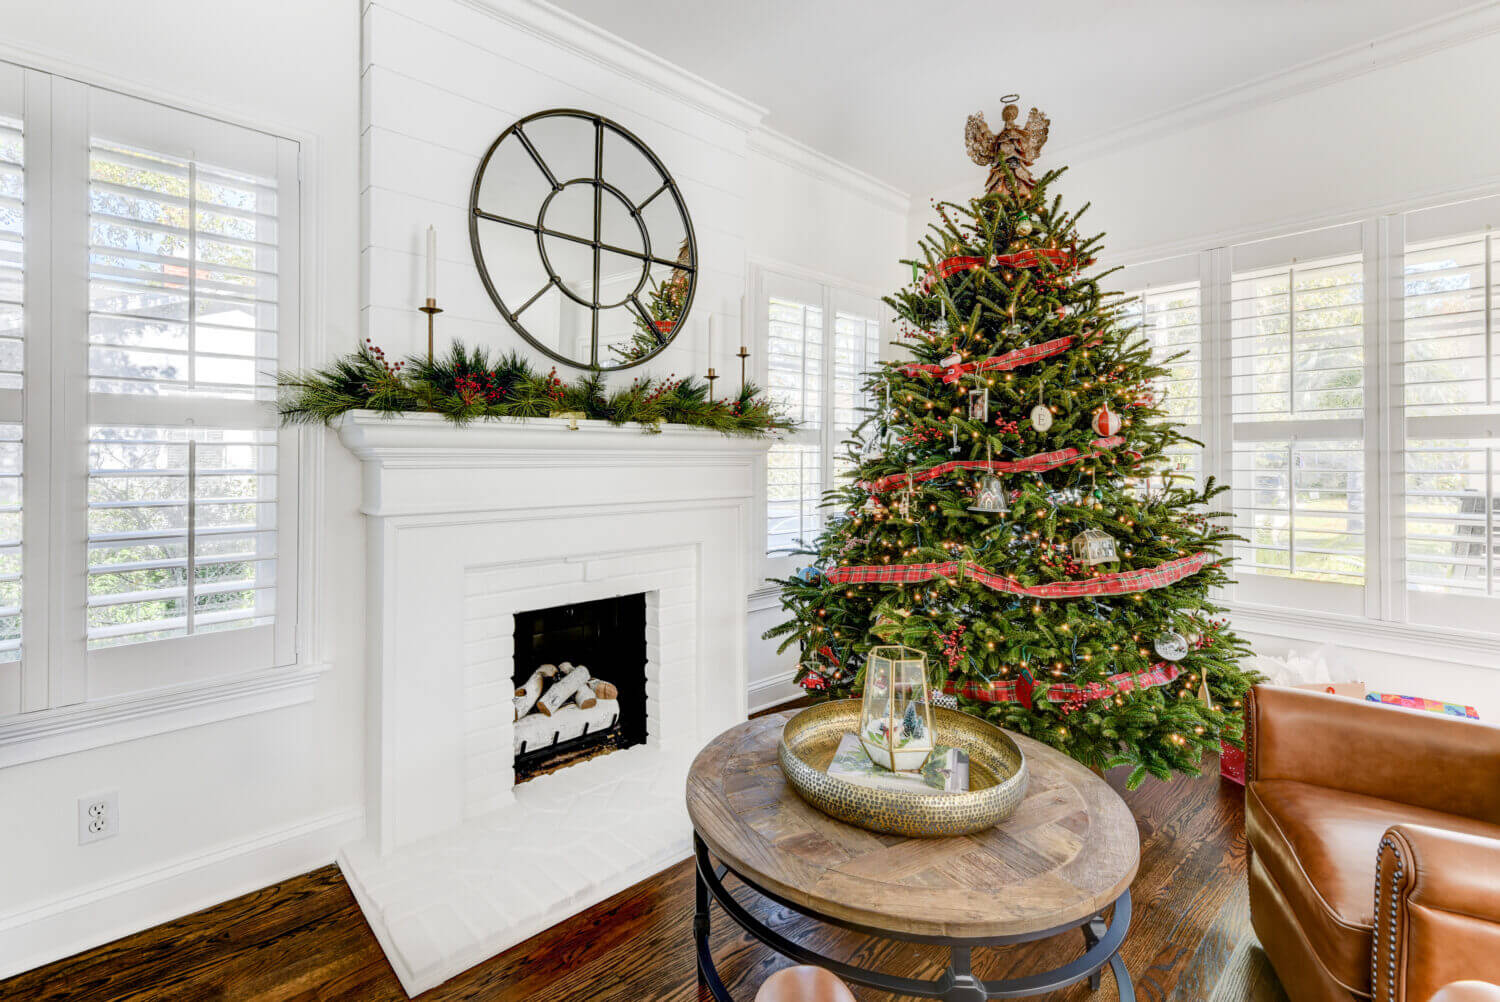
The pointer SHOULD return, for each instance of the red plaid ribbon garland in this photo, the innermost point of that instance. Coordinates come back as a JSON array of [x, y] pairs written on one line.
[[1019, 690], [999, 363], [1118, 583], [1028, 258], [1039, 463]]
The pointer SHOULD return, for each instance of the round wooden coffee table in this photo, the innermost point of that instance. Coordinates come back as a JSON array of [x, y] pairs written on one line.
[[1057, 865]]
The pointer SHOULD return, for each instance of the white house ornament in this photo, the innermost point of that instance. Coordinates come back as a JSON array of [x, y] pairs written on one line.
[[990, 498], [1093, 546], [1106, 422], [1171, 646]]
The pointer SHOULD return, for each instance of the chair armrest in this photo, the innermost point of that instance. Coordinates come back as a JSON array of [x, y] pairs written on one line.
[[1443, 763], [1437, 912]]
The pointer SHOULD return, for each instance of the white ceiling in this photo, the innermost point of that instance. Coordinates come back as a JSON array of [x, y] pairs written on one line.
[[885, 86]]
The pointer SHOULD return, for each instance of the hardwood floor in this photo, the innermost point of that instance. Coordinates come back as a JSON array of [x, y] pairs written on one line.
[[305, 939]]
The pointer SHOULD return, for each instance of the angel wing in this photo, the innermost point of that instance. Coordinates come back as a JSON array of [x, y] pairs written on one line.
[[1036, 134], [979, 140]]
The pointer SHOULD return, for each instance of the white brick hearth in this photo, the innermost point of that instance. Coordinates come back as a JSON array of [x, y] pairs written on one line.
[[468, 527]]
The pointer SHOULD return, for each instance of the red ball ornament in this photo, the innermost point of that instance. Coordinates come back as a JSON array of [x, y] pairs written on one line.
[[1106, 421]]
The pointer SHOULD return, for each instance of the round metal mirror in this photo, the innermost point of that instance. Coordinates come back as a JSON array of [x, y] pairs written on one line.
[[582, 240]]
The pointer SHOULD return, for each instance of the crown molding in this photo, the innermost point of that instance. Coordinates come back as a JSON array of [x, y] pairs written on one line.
[[1419, 40], [799, 156], [572, 33], [1397, 47]]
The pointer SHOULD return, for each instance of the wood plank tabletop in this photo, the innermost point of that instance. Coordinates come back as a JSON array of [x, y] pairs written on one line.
[[1070, 849]]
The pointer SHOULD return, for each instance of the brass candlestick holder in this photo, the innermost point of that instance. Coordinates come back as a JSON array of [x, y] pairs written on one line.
[[744, 353], [712, 375], [431, 309]]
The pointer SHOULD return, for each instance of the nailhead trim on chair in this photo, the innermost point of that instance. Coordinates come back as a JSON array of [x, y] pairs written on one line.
[[1249, 736], [1386, 843]]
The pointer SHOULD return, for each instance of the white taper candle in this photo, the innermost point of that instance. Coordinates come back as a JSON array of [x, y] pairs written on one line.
[[432, 262]]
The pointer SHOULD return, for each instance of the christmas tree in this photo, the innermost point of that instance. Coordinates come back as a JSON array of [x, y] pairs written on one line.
[[1009, 508]]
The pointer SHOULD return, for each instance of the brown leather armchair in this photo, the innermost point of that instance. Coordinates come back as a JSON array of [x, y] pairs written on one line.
[[1374, 846]]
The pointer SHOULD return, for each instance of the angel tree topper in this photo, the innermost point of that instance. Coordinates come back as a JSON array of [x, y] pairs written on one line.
[[1014, 147]]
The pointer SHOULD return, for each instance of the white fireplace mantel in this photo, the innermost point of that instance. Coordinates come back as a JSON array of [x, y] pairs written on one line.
[[466, 526], [415, 463]]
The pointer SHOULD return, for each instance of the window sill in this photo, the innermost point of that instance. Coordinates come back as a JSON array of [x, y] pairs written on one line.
[[1432, 643], [30, 737]]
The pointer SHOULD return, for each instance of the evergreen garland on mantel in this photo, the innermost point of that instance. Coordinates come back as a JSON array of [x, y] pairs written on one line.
[[466, 385]]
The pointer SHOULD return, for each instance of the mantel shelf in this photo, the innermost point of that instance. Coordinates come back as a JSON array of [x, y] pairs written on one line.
[[432, 439]]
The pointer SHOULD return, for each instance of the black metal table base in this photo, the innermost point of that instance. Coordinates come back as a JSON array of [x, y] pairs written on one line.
[[958, 983]]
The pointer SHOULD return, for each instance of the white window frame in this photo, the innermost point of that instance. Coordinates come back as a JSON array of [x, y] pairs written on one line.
[[61, 708], [1383, 611], [834, 296]]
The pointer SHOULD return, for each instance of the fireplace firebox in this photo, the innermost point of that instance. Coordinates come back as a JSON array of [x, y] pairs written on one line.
[[604, 643]]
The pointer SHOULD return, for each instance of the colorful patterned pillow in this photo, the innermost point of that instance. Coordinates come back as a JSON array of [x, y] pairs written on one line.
[[1422, 703]]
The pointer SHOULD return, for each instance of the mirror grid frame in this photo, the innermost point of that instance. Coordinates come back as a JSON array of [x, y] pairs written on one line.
[[646, 256]]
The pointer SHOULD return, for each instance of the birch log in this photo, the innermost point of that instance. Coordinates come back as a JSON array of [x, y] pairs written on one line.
[[562, 690], [584, 698], [605, 690], [539, 730], [528, 694]]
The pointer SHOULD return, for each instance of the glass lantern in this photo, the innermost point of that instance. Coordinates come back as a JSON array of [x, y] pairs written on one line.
[[895, 724]]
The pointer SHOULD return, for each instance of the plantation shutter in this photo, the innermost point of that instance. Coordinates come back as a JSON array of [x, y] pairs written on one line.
[[13, 228], [191, 292], [1297, 347], [795, 358], [1164, 307], [1448, 478], [856, 350]]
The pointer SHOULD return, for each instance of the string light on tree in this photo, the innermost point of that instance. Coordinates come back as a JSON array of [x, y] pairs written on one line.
[[1013, 406]]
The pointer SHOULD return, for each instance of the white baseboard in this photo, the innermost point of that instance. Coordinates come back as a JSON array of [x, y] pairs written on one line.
[[774, 690], [80, 920]]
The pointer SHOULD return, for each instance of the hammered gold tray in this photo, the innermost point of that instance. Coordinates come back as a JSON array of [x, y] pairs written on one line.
[[997, 775]]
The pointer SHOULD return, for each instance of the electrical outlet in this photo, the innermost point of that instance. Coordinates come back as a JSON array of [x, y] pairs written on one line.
[[98, 817]]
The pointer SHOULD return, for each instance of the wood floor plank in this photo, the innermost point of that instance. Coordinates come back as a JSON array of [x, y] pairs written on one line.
[[305, 940]]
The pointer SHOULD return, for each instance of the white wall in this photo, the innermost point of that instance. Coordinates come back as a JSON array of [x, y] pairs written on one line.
[[212, 811], [441, 80], [1338, 141], [819, 218], [1398, 124], [216, 810]]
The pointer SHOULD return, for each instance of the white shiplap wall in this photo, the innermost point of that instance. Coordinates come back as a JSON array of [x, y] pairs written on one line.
[[442, 79]]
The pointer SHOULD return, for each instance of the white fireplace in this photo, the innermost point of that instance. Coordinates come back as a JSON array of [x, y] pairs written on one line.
[[468, 526]]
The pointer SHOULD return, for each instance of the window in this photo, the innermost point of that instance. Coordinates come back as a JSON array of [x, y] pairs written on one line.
[[164, 513], [1166, 309], [12, 361], [815, 372], [1451, 402], [1297, 413], [1346, 382]]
